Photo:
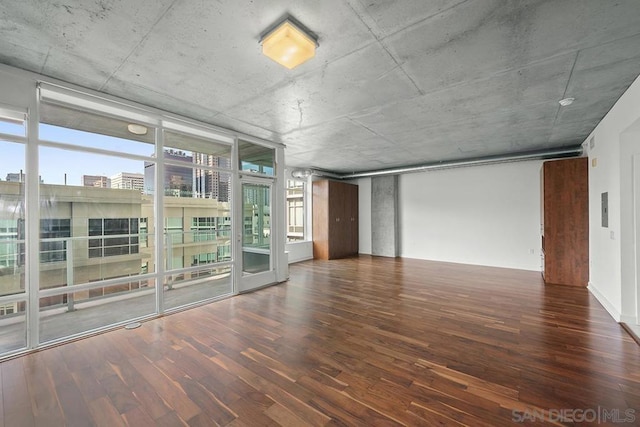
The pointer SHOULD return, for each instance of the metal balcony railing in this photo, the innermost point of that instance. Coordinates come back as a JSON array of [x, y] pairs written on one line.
[[65, 258]]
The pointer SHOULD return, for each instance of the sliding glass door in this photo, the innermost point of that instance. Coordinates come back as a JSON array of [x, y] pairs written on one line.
[[257, 172], [257, 262]]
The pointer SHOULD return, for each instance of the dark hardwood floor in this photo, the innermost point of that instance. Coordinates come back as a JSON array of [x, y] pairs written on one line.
[[361, 341]]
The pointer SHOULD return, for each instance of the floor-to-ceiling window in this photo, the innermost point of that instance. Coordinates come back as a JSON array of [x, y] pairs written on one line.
[[111, 213], [93, 196], [197, 188], [13, 297]]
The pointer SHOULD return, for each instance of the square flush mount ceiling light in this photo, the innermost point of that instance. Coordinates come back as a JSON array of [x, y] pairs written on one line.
[[288, 44]]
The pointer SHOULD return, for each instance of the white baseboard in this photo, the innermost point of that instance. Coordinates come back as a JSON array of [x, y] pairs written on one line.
[[604, 302], [629, 320], [300, 259]]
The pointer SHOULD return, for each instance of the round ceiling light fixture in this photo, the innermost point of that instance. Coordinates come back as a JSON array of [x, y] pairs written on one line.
[[137, 129], [566, 101]]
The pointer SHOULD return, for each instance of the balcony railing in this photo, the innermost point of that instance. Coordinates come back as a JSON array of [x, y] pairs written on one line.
[[80, 295], [70, 263]]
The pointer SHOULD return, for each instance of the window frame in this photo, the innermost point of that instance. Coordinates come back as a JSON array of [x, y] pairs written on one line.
[[39, 89], [304, 199]]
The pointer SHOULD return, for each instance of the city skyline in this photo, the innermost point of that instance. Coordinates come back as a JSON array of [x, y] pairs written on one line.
[[74, 164], [68, 167]]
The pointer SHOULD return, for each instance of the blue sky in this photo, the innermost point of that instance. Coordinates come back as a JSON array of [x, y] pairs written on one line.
[[54, 163]]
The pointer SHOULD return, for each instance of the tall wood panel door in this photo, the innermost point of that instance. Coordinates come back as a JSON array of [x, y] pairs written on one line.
[[320, 218], [565, 222], [337, 220], [335, 224], [353, 213]]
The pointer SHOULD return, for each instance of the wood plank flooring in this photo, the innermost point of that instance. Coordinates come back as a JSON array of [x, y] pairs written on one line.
[[361, 341]]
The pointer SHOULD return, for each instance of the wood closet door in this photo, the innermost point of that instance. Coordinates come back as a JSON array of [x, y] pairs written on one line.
[[320, 216], [335, 219], [339, 238], [353, 212], [566, 222]]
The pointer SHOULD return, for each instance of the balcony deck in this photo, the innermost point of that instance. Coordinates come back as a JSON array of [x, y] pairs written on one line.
[[58, 322]]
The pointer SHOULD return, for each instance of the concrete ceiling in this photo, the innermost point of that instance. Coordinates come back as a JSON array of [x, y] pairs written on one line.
[[393, 83]]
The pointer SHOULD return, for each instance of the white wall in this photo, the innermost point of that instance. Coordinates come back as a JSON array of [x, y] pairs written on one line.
[[611, 250], [299, 251], [485, 215]]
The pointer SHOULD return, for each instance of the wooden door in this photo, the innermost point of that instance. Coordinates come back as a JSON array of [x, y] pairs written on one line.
[[321, 219], [566, 222], [335, 219], [354, 213], [339, 238]]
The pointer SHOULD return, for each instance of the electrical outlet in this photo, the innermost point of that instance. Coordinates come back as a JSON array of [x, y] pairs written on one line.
[[612, 235], [532, 251]]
